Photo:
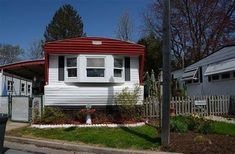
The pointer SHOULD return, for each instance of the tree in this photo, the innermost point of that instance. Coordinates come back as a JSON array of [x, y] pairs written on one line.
[[9, 53], [125, 27], [153, 54], [66, 23], [35, 50], [198, 27]]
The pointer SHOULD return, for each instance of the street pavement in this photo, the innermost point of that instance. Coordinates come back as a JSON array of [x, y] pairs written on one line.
[[19, 148]]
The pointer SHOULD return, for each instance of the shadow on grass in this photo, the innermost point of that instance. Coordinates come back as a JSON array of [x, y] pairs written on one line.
[[142, 135]]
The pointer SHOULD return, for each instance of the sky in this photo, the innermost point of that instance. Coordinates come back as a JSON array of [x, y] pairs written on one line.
[[24, 21]]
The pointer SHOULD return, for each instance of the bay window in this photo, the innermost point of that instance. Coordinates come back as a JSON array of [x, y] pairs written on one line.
[[71, 66], [95, 67], [118, 67]]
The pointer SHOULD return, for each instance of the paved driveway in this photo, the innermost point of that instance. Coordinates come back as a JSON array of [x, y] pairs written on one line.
[[14, 125]]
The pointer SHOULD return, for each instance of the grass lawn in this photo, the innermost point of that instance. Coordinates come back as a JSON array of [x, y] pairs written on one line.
[[224, 128], [144, 137]]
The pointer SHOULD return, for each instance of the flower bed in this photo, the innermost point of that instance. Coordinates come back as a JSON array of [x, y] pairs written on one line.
[[85, 125]]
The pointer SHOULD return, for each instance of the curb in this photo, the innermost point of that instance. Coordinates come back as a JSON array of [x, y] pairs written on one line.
[[77, 147]]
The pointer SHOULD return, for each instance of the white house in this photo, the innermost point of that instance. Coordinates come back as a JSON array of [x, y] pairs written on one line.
[[212, 75], [91, 70], [17, 78], [14, 85]]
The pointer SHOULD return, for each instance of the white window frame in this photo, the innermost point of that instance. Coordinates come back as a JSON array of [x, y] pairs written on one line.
[[104, 68], [73, 67], [118, 68], [10, 85]]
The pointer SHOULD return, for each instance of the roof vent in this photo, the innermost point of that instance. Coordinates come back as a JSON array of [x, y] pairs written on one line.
[[96, 42]]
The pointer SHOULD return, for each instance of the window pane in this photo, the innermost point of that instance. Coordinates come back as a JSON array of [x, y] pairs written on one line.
[[72, 72], [117, 73], [225, 75], [71, 62], [22, 87], [118, 62], [215, 77], [95, 62], [95, 72]]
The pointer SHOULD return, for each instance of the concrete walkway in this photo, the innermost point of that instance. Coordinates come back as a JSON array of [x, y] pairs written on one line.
[[15, 125]]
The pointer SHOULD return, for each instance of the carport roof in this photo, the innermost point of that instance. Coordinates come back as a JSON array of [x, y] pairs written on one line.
[[27, 69]]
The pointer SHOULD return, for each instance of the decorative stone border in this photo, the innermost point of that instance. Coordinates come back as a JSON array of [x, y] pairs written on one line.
[[85, 125]]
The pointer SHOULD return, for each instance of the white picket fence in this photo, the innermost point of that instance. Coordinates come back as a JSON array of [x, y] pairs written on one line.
[[203, 106]]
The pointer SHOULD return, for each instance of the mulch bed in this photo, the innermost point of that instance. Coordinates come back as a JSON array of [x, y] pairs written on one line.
[[185, 143]]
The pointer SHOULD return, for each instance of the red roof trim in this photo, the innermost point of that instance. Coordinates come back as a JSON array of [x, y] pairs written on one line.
[[23, 63], [84, 45], [93, 38]]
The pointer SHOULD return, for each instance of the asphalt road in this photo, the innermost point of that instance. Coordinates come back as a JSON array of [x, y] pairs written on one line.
[[19, 148]]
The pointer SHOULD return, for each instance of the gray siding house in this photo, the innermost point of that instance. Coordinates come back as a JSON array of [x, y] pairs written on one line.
[[213, 75]]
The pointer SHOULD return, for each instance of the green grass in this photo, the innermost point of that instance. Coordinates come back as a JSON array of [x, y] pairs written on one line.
[[144, 137], [224, 128]]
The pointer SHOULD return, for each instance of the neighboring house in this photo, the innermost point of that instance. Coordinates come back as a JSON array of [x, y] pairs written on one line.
[[14, 85], [213, 75], [16, 79], [91, 70], [177, 76]]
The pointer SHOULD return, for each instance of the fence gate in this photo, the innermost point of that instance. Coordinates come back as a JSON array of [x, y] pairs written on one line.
[[4, 105], [20, 109]]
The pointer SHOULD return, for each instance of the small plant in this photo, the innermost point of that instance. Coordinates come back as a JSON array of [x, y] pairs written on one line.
[[202, 140], [178, 124], [127, 103]]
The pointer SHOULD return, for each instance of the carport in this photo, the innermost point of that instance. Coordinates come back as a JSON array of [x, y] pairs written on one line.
[[18, 107], [31, 69]]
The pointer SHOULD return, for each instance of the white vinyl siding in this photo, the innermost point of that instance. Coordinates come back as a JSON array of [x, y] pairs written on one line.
[[134, 66], [53, 69], [93, 90], [82, 74], [83, 95]]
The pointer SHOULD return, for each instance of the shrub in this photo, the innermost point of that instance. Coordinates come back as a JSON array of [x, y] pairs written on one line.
[[127, 104], [178, 124], [199, 124], [205, 127], [102, 118], [53, 115], [196, 124]]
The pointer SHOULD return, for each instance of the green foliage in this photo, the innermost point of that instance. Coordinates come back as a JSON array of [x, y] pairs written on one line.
[[126, 97], [196, 124], [144, 137], [66, 23], [153, 53], [127, 103], [53, 115], [178, 124]]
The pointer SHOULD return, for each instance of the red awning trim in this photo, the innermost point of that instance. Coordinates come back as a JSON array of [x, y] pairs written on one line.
[[23, 63]]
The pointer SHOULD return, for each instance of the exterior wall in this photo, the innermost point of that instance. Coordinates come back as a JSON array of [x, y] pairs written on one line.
[[16, 85], [1, 82], [83, 91], [221, 87]]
